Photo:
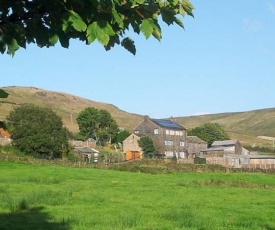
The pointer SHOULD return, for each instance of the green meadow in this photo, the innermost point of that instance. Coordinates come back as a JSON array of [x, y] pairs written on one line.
[[61, 198]]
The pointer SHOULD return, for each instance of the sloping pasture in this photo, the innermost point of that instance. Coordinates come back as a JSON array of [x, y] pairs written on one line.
[[61, 198]]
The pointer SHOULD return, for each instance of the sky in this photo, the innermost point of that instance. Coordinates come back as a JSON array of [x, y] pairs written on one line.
[[223, 61]]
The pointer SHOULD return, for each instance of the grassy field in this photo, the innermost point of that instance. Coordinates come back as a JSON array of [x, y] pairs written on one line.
[[60, 198]]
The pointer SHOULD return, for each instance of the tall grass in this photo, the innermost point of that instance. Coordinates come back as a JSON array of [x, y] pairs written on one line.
[[87, 198]]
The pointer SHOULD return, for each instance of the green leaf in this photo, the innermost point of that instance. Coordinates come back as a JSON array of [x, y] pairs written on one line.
[[117, 18], [91, 33], [53, 39], [113, 40], [72, 20], [3, 46], [179, 22], [102, 37], [129, 45], [104, 25], [3, 94], [168, 15], [157, 34], [188, 7], [147, 27], [77, 22], [150, 27], [64, 40], [181, 10], [100, 30], [12, 46]]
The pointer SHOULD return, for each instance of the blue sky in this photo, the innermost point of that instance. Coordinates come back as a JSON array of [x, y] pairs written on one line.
[[224, 61]]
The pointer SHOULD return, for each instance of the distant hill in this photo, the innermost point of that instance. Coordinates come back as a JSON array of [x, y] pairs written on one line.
[[240, 125], [65, 105], [254, 123]]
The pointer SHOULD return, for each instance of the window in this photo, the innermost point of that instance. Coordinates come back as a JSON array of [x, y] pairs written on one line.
[[169, 153], [245, 161], [177, 133], [170, 132], [182, 143], [180, 133], [183, 155], [168, 142], [156, 131]]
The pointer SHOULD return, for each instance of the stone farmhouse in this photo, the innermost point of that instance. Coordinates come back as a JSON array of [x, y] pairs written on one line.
[[169, 137]]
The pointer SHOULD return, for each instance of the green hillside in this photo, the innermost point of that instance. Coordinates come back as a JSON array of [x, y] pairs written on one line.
[[254, 123], [245, 126], [66, 105]]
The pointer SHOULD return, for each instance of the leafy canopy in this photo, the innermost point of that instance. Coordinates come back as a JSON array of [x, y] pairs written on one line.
[[97, 124], [38, 131], [45, 22], [209, 132], [146, 143]]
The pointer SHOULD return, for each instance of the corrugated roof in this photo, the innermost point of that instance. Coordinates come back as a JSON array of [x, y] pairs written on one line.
[[167, 124], [224, 143]]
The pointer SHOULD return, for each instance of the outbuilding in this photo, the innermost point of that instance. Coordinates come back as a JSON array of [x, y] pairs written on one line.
[[87, 154]]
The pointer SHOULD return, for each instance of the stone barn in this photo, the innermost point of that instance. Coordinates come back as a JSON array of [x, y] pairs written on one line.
[[226, 152], [195, 145], [131, 148]]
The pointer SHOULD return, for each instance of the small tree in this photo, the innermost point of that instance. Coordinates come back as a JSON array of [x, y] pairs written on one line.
[[97, 124], [38, 131], [147, 145], [209, 132], [121, 136]]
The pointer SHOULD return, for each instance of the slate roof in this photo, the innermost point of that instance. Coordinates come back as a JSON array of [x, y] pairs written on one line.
[[218, 148], [224, 143], [195, 139], [167, 124]]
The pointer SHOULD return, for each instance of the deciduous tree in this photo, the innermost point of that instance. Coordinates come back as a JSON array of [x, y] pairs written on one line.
[[38, 131], [97, 124], [209, 132], [45, 22]]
